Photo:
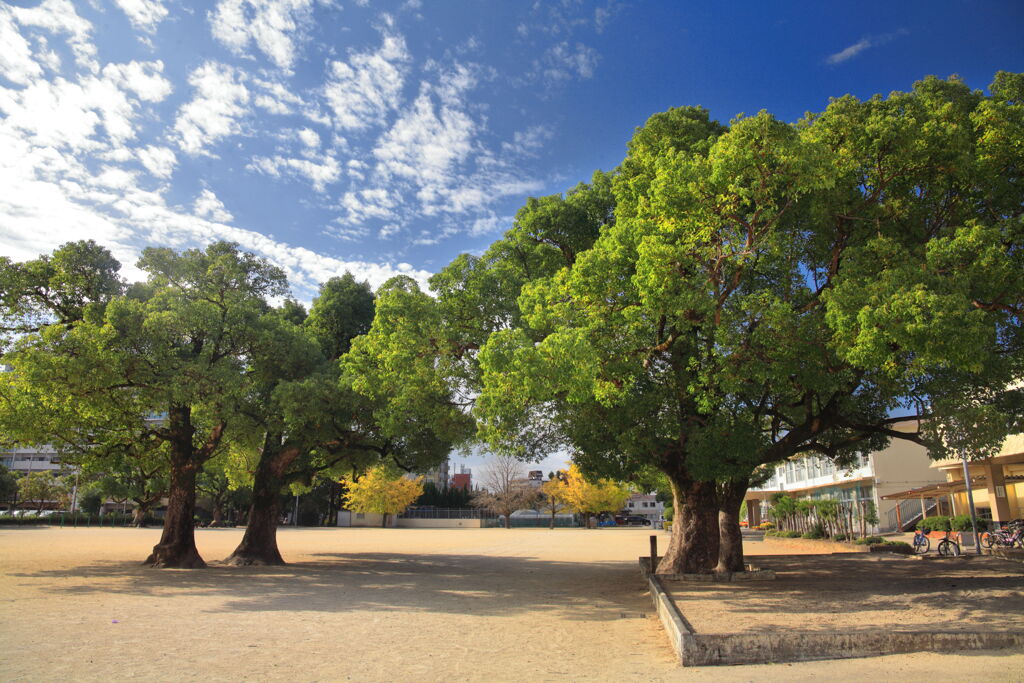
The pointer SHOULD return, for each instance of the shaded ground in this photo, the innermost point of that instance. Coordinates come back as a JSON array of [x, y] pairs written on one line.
[[361, 604], [860, 592]]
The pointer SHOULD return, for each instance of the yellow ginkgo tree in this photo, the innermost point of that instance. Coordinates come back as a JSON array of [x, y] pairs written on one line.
[[589, 498], [382, 490]]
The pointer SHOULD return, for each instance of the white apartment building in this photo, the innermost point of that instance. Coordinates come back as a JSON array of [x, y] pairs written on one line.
[[902, 465], [30, 459], [645, 505]]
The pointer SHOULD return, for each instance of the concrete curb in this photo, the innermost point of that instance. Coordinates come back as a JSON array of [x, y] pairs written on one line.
[[751, 574], [694, 649]]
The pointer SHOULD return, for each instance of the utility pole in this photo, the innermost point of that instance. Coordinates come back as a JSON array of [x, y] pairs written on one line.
[[970, 501]]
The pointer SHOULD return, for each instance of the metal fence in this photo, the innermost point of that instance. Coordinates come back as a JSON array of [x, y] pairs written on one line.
[[446, 513], [532, 522]]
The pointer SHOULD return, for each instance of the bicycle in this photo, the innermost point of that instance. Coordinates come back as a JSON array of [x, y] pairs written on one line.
[[921, 543], [1011, 535], [948, 547]]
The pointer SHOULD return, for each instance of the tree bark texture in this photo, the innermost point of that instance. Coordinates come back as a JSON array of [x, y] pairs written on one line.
[[693, 547], [259, 543], [730, 550], [177, 546]]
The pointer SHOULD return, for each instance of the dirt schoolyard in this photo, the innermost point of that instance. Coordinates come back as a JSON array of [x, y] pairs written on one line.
[[368, 605], [860, 592]]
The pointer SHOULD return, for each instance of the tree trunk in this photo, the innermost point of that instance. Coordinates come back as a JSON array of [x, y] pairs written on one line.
[[553, 513], [730, 549], [259, 543], [693, 547], [218, 513], [508, 520], [177, 546], [383, 520]]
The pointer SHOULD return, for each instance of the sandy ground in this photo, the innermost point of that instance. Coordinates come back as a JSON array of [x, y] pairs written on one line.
[[860, 592], [368, 605]]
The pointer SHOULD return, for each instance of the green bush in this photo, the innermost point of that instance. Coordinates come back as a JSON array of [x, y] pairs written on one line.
[[937, 523], [787, 533], [669, 512], [870, 540], [960, 523], [816, 531], [840, 537]]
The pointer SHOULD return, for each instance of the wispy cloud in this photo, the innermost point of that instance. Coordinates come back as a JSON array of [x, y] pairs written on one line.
[[273, 26], [863, 44], [363, 90], [220, 101], [143, 14]]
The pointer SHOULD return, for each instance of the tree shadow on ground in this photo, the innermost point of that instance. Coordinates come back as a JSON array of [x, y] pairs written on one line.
[[969, 592], [482, 585]]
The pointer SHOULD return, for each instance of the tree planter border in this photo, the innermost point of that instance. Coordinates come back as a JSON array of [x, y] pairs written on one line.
[[752, 573], [695, 649]]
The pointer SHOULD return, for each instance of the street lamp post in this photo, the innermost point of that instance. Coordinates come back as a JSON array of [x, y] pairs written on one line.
[[970, 501]]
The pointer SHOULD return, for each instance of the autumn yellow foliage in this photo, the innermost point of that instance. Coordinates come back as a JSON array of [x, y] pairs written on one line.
[[381, 490], [587, 498]]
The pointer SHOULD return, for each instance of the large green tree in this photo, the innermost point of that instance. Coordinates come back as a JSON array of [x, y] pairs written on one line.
[[777, 288], [173, 347]]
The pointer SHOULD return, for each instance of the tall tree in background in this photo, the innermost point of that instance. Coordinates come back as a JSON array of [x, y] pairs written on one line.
[[381, 490], [383, 401], [589, 498], [505, 488], [174, 347], [342, 311]]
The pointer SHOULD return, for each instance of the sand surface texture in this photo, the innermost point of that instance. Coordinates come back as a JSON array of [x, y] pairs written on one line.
[[366, 605]]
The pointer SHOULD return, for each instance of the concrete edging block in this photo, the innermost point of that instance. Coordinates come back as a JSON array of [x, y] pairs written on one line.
[[714, 649]]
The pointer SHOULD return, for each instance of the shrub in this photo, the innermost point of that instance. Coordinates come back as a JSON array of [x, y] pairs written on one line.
[[788, 533], [895, 547], [937, 523], [816, 531], [960, 523], [669, 512], [766, 526], [870, 540]]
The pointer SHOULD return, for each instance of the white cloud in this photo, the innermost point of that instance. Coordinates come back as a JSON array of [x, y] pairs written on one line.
[[45, 56], [490, 224], [276, 98], [309, 138], [214, 111], [47, 198], [272, 25], [207, 205], [143, 14], [426, 143], [849, 52], [563, 62], [60, 17], [365, 204], [160, 161], [16, 63], [145, 79], [527, 142], [855, 49], [61, 113], [362, 91], [388, 231], [319, 170]]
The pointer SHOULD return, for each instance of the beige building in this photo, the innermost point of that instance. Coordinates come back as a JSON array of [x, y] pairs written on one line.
[[997, 485], [901, 466]]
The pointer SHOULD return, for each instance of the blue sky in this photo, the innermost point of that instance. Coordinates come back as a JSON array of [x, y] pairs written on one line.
[[382, 138], [387, 137]]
